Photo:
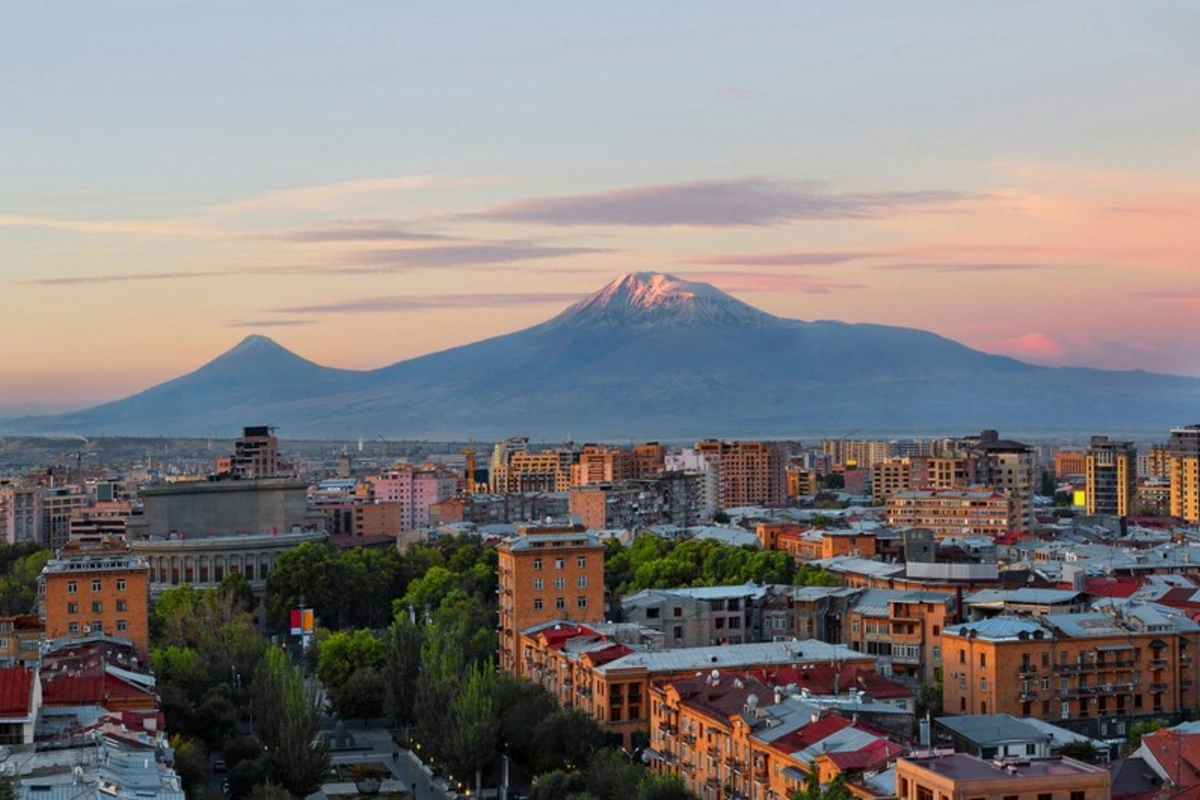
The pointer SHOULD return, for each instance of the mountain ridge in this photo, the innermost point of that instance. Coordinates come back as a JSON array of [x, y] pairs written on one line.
[[647, 355]]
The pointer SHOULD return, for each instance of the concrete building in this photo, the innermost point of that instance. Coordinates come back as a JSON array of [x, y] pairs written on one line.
[[546, 577], [602, 464], [58, 505], [1111, 477], [958, 775], [748, 473], [1094, 673], [97, 585], [699, 616], [977, 512], [255, 456], [1008, 467], [20, 513], [1183, 470]]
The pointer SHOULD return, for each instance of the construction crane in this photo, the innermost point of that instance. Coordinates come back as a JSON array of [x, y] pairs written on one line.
[[469, 452]]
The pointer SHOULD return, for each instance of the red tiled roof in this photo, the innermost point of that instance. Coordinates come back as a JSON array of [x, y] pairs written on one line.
[[812, 733], [828, 680], [558, 635], [1177, 753], [81, 690], [874, 754], [1112, 587], [16, 689], [611, 653]]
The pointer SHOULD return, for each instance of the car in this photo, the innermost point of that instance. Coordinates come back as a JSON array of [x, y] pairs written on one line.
[[218, 765]]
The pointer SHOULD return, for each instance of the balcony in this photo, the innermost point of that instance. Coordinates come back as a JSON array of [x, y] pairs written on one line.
[[1158, 663], [713, 781], [714, 750], [1028, 696], [1027, 670], [668, 729], [689, 738], [1158, 686]]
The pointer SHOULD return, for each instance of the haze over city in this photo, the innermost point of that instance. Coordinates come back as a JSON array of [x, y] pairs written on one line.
[[373, 181]]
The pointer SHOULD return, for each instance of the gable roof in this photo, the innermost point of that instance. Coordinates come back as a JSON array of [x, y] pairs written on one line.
[[16, 691]]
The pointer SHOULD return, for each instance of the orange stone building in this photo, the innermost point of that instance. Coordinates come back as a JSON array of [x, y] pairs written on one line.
[[957, 775], [980, 512], [97, 586], [1094, 673], [749, 473], [547, 577]]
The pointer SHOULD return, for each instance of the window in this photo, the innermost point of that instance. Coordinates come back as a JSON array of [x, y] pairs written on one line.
[[1011, 797], [73, 628], [121, 605], [72, 608], [538, 584], [679, 611], [72, 587], [854, 626], [937, 630], [1045, 659], [96, 586], [581, 582], [97, 627], [652, 613], [962, 681], [983, 659], [582, 562], [120, 584], [983, 684], [537, 604], [97, 607], [735, 622], [962, 656], [1046, 684], [121, 625], [581, 602], [1045, 796], [560, 602], [679, 633], [558, 563], [560, 583], [537, 564]]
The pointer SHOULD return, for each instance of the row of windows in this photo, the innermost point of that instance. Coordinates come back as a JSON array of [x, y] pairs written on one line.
[[560, 602], [97, 607], [97, 585], [560, 583], [581, 562], [96, 627]]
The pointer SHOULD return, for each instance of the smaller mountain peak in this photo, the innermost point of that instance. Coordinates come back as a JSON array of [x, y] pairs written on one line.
[[256, 340], [656, 298]]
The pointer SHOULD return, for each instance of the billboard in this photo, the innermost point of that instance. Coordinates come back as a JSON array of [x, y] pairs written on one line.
[[302, 621]]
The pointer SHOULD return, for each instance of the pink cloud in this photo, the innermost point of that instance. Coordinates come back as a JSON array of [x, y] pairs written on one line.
[[770, 282], [1031, 345]]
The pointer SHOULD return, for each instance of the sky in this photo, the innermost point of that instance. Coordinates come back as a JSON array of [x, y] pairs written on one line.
[[369, 181]]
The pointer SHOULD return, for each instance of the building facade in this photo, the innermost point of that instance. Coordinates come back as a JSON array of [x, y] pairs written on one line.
[[1111, 477], [1183, 469]]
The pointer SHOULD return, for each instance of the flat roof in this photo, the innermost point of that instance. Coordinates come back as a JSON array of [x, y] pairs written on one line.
[[735, 656], [962, 767]]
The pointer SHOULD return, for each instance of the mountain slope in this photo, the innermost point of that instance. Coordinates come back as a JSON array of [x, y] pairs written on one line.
[[650, 355]]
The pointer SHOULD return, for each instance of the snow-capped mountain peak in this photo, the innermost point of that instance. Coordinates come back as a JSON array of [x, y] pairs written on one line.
[[655, 299]]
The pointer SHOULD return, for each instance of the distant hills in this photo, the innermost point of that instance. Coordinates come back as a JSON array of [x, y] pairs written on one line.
[[648, 356]]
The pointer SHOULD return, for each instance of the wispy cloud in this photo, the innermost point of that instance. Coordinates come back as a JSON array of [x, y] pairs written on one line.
[[360, 231], [432, 301], [461, 255], [771, 282], [930, 266], [268, 323], [110, 226], [718, 203], [334, 195], [779, 259], [82, 280]]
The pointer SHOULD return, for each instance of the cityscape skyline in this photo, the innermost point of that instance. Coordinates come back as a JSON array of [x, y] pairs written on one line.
[[374, 184]]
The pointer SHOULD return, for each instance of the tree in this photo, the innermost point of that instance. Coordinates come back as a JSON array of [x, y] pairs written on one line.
[[557, 785], [1139, 729], [402, 669], [566, 740], [291, 718], [474, 724], [1082, 750], [612, 776], [310, 571], [358, 697], [270, 791], [525, 705], [663, 787], [929, 697], [341, 653], [427, 592], [18, 585], [191, 762]]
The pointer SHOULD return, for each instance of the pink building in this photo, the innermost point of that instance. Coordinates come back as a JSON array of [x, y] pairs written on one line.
[[412, 489]]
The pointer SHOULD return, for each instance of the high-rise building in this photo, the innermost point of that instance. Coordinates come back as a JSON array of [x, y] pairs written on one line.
[[1184, 472], [1111, 477], [748, 473], [1008, 467], [546, 577], [256, 454], [599, 464], [20, 513], [977, 512]]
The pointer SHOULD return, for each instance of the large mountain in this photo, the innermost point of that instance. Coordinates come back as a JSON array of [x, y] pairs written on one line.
[[649, 355]]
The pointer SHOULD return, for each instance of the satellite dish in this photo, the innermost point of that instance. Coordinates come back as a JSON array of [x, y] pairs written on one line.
[[752, 701], [715, 674]]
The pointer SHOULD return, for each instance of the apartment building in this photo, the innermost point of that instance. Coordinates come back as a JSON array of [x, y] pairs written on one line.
[[977, 512], [1183, 471], [958, 775], [1111, 477], [699, 616], [58, 505], [20, 513], [600, 464], [97, 586], [1095, 673], [1070, 464], [1008, 467], [547, 577], [902, 629], [730, 735], [748, 473]]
